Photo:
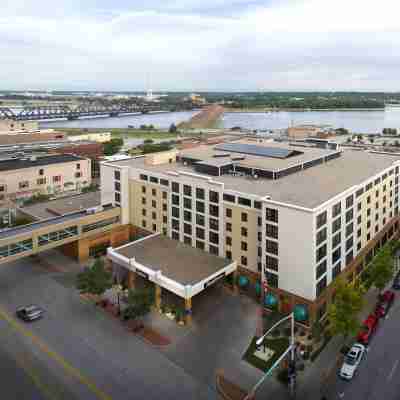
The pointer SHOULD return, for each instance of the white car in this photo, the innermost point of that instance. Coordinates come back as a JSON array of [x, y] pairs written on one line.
[[352, 361]]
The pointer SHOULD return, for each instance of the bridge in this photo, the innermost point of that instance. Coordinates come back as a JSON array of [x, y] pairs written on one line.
[[27, 240], [63, 111]]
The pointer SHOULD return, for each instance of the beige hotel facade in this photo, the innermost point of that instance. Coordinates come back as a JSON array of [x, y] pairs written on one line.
[[294, 216]]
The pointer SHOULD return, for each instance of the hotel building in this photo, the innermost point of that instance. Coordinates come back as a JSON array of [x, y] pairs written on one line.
[[294, 216]]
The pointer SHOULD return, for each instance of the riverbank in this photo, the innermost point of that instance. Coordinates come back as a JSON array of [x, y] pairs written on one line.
[[269, 109], [119, 132]]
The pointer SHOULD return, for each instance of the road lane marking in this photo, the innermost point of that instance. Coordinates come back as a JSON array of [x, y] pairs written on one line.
[[393, 370], [72, 371]]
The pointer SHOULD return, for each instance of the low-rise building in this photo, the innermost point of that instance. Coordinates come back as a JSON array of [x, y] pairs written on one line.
[[21, 178], [9, 125], [305, 131], [293, 217], [100, 137]]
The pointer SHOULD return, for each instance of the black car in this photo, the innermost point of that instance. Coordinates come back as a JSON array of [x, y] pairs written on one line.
[[396, 282], [30, 313]]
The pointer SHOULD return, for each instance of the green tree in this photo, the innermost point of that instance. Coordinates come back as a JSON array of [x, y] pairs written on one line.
[[139, 302], [172, 128], [382, 268], [342, 313], [94, 279], [113, 146]]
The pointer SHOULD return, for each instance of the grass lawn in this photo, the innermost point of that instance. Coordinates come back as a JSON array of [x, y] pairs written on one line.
[[278, 345]]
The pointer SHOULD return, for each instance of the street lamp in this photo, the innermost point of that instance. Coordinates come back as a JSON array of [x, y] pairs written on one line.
[[290, 349]]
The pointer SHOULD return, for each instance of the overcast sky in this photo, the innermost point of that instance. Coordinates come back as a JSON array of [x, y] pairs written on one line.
[[200, 45]]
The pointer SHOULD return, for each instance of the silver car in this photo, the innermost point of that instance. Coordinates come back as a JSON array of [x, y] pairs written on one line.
[[352, 361], [29, 313]]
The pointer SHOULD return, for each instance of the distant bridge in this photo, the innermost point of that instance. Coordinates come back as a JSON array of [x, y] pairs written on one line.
[[30, 113]]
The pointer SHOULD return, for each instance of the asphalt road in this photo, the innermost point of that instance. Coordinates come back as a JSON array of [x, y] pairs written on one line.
[[75, 351], [378, 376]]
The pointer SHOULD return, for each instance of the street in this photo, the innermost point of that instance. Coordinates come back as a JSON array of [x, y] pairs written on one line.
[[73, 353], [378, 376]]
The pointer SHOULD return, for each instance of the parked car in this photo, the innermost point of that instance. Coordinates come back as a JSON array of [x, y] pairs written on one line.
[[30, 313], [396, 282], [368, 328], [385, 302], [352, 361]]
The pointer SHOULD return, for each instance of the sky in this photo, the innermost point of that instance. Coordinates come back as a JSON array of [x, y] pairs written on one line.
[[200, 45]]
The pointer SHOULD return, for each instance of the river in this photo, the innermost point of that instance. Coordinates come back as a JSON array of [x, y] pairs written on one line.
[[355, 121]]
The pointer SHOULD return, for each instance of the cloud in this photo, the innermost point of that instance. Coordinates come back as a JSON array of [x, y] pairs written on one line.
[[208, 45]]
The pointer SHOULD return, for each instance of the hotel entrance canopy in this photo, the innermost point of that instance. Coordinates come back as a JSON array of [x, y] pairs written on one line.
[[177, 267]]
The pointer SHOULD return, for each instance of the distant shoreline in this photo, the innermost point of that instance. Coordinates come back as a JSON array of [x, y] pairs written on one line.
[[273, 110]]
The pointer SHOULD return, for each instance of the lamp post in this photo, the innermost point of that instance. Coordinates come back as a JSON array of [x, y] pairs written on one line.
[[290, 349]]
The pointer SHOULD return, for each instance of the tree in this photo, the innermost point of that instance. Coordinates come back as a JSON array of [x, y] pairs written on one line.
[[371, 139], [139, 302], [95, 279], [113, 146], [342, 313], [172, 128], [382, 268]]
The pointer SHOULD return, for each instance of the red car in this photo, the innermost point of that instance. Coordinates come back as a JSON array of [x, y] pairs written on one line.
[[368, 328], [385, 302]]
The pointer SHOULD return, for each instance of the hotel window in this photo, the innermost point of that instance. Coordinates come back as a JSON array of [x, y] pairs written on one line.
[[23, 184], [259, 236], [272, 279], [200, 220], [214, 210], [213, 223], [244, 217], [165, 219], [228, 197], [175, 224], [321, 253], [376, 228], [143, 200], [175, 187], [229, 255], [154, 215], [213, 237], [368, 199], [336, 240], [144, 212], [349, 215], [321, 269], [164, 207], [78, 174], [271, 231], [321, 219], [187, 229], [141, 176], [349, 229], [377, 193], [117, 186], [57, 178], [257, 204], [359, 192], [175, 212], [164, 182], [243, 260], [41, 171], [336, 255], [200, 193], [349, 201], [228, 241], [336, 210], [213, 250], [244, 202], [321, 285], [143, 189], [187, 203], [349, 243], [377, 181], [187, 240], [321, 235], [368, 187], [259, 221], [154, 227], [336, 271], [117, 175], [154, 204], [187, 216], [3, 188], [336, 225], [359, 220], [228, 227], [359, 233], [368, 212], [271, 215], [271, 247], [187, 190], [229, 213], [213, 196], [271, 263], [359, 206], [154, 192], [200, 207], [40, 181], [244, 231], [200, 233], [117, 197], [199, 245], [175, 235], [175, 200], [376, 217], [243, 246], [144, 224]]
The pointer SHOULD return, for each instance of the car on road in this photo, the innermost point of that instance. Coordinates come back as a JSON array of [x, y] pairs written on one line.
[[396, 282], [30, 313], [352, 361], [385, 302], [368, 328]]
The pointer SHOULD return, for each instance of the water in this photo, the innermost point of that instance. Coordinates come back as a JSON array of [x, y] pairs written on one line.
[[355, 121]]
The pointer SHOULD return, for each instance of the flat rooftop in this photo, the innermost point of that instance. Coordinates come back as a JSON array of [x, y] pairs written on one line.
[[65, 205], [307, 188], [21, 163], [177, 261]]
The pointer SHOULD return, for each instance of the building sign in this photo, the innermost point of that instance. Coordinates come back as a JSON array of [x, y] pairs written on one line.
[[142, 274], [215, 279]]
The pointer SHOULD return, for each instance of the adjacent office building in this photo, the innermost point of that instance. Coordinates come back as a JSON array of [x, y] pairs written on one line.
[[24, 177], [294, 217]]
